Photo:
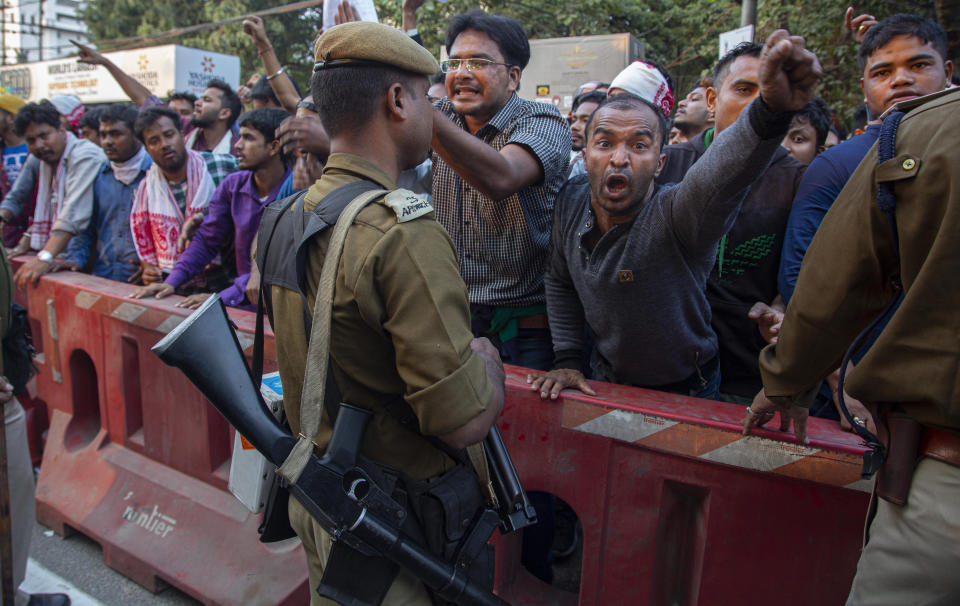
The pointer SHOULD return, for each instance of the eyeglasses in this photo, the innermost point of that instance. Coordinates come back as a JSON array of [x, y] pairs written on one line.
[[472, 65]]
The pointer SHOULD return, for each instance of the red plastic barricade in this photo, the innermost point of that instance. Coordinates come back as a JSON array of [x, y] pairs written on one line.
[[678, 508], [137, 459]]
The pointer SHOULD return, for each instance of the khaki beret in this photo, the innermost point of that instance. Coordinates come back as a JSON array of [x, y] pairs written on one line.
[[11, 103], [370, 43]]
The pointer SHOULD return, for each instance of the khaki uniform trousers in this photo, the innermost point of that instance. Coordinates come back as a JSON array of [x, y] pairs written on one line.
[[405, 591], [913, 552]]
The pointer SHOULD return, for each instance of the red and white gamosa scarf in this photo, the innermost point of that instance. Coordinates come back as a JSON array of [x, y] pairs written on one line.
[[155, 218]]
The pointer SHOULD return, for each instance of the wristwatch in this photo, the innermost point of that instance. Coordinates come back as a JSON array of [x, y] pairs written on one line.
[[46, 256]]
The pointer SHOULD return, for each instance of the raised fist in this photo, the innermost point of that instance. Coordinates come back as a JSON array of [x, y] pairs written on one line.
[[789, 73]]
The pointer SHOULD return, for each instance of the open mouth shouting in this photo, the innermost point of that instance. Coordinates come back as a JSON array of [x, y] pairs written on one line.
[[466, 91], [616, 185]]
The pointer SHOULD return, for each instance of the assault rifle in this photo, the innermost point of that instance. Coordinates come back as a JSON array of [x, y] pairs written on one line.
[[334, 489]]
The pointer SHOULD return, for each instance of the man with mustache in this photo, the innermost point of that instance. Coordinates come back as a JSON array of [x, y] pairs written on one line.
[[208, 128], [67, 169], [108, 236], [693, 116], [583, 107], [498, 163], [631, 259], [748, 255], [234, 212], [176, 190]]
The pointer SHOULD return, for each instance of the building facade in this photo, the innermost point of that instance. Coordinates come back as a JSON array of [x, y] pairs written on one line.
[[34, 30]]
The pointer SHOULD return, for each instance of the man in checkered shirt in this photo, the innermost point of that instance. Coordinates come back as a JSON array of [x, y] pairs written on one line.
[[498, 163]]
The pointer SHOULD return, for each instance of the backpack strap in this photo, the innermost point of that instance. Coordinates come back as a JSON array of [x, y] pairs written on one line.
[[318, 351], [332, 210], [324, 215], [887, 202], [281, 268], [268, 226]]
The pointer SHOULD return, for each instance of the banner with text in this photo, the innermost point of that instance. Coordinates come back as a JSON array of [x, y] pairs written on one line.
[[162, 69]]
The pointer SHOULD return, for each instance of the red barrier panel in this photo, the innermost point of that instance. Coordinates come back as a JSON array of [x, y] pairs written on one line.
[[678, 508], [137, 459]]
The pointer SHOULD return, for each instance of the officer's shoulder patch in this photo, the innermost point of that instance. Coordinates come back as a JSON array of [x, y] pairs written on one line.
[[407, 204]]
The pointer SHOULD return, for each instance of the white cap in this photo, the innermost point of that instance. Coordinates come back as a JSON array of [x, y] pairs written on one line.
[[69, 107], [645, 81]]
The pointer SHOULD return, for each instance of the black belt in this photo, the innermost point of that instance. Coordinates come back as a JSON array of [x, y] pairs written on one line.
[[695, 382]]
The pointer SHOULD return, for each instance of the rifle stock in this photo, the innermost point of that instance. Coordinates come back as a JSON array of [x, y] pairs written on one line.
[[205, 349]]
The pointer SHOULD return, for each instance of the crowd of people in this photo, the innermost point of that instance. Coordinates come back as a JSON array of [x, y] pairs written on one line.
[[650, 238], [681, 296]]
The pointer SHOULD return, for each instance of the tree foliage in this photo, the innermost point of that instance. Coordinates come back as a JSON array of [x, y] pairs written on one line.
[[948, 14], [291, 34], [826, 35], [681, 36]]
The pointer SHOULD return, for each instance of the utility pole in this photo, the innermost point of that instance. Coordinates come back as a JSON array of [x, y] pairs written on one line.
[[40, 29], [3, 32], [748, 13]]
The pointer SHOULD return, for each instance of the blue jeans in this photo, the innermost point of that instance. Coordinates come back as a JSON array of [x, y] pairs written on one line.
[[711, 389], [531, 348]]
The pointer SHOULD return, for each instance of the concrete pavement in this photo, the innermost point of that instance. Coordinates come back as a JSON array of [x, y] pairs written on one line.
[[75, 566]]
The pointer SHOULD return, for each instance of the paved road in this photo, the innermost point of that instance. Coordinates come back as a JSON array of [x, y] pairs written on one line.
[[75, 566]]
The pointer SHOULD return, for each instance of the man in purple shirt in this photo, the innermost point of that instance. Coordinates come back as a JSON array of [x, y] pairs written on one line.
[[235, 210]]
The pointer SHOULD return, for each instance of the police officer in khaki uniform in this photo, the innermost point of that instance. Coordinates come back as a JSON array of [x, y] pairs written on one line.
[[910, 374], [400, 320]]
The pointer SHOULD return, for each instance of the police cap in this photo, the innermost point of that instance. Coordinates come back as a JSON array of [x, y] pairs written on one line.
[[368, 43]]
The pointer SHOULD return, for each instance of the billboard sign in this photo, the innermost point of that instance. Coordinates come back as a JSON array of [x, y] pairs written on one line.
[[729, 40], [161, 69]]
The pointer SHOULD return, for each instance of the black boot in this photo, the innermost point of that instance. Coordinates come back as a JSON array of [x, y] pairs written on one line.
[[49, 599]]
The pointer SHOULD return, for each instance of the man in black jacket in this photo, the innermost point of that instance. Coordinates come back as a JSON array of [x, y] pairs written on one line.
[[748, 256]]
